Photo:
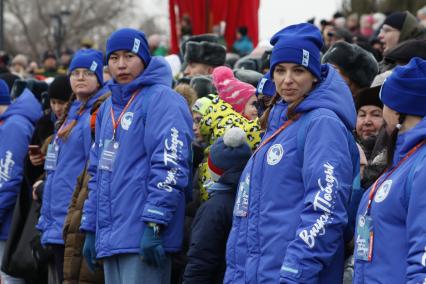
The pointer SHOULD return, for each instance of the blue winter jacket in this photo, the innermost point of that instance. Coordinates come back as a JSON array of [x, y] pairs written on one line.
[[151, 168], [297, 198], [398, 211], [60, 183], [16, 129]]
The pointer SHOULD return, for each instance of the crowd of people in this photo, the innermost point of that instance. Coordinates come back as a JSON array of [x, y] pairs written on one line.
[[300, 161]]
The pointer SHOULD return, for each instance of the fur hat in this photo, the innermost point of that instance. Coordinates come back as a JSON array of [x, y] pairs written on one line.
[[209, 53], [228, 152], [198, 38], [358, 64]]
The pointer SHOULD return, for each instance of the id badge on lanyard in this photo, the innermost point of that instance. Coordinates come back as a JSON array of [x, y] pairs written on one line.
[[108, 155], [51, 157], [242, 200], [364, 238]]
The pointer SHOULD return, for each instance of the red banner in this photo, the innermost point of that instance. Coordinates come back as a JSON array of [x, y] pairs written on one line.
[[205, 14]]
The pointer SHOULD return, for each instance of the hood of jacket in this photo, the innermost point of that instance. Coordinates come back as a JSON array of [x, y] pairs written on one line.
[[334, 94], [407, 140], [410, 28], [157, 72], [25, 105]]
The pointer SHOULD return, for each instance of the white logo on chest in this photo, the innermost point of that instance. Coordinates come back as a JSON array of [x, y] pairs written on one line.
[[275, 154], [383, 191], [126, 120]]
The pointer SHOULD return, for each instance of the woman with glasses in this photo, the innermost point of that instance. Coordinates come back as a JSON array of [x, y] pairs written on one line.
[[67, 155]]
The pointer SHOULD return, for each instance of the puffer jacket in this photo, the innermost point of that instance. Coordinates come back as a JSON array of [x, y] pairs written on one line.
[[151, 169], [76, 269], [60, 183], [291, 206], [398, 212], [16, 129]]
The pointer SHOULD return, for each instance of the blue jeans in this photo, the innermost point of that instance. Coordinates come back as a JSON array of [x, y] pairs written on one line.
[[130, 269], [7, 279]]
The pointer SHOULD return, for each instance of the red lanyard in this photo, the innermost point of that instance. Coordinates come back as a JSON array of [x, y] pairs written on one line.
[[116, 123], [279, 130], [376, 183]]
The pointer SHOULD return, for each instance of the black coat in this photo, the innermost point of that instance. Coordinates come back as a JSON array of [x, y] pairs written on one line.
[[210, 230]]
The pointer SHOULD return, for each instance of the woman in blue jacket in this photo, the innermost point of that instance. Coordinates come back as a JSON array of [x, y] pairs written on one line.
[[390, 239], [291, 207], [67, 154]]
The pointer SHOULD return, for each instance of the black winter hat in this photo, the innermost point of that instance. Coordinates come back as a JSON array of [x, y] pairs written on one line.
[[395, 20], [369, 96], [60, 88], [358, 64], [248, 76], [249, 63], [208, 53], [9, 78], [203, 85], [406, 50]]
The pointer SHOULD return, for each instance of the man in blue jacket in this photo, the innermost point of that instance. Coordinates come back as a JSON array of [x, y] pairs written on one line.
[[17, 121], [140, 167]]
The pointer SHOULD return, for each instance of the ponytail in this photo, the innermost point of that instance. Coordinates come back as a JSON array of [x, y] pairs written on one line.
[[265, 116], [64, 133]]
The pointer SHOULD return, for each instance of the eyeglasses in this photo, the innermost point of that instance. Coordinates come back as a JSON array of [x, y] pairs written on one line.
[[83, 73], [387, 30]]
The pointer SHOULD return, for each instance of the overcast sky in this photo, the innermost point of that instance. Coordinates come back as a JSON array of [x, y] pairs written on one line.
[[273, 14], [276, 14]]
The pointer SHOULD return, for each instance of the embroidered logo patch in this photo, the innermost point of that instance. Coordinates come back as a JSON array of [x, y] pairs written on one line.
[[275, 154], [136, 44], [126, 120], [383, 191], [93, 66], [305, 58]]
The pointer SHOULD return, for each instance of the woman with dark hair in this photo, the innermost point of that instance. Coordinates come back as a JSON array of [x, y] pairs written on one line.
[[67, 154], [390, 238], [291, 206]]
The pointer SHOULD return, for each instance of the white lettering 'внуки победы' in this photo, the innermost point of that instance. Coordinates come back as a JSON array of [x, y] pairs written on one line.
[[323, 202], [6, 165], [172, 154]]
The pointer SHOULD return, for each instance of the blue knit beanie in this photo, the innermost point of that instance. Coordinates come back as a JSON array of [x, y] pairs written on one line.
[[129, 40], [4, 93], [299, 44], [404, 90], [266, 86], [228, 152], [90, 59]]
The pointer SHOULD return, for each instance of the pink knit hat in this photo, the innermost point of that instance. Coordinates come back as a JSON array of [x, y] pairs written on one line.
[[231, 90]]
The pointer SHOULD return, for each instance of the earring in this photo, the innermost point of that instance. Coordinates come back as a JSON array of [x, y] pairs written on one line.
[[398, 126]]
